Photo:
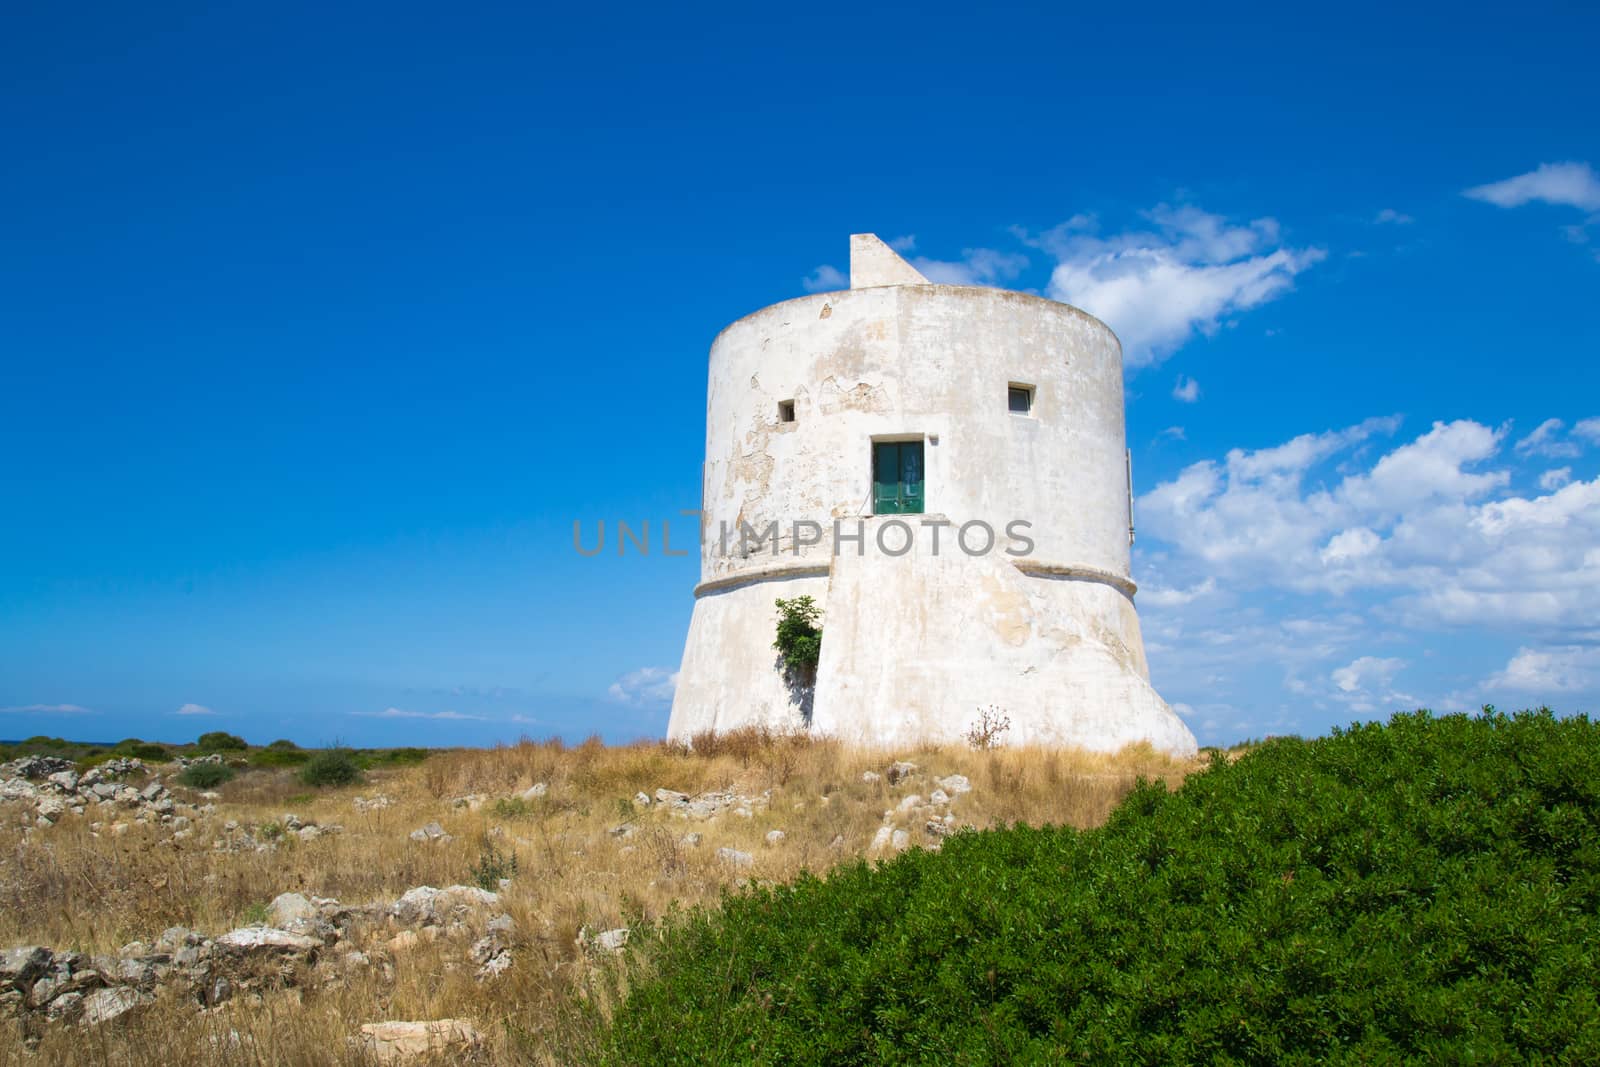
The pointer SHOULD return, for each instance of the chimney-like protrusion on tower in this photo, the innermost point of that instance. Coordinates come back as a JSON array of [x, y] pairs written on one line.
[[874, 263]]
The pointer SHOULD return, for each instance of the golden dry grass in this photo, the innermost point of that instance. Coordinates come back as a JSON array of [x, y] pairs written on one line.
[[67, 888]]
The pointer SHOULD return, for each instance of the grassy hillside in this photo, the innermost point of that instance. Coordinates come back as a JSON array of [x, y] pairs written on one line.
[[1426, 889]]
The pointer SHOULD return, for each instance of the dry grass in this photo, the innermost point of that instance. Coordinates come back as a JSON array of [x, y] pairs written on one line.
[[67, 888]]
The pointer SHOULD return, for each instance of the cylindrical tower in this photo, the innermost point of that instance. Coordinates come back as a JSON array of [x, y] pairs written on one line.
[[942, 468]]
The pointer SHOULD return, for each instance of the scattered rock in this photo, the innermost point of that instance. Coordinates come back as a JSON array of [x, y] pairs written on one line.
[[880, 840], [870, 776], [956, 784], [776, 837], [103, 1005], [907, 803], [734, 858], [377, 803], [642, 799], [534, 792], [938, 796], [611, 940], [691, 840], [402, 1042], [899, 770], [427, 906], [431, 832], [900, 841], [289, 907]]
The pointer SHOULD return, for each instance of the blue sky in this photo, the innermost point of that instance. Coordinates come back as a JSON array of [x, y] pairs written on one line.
[[319, 328]]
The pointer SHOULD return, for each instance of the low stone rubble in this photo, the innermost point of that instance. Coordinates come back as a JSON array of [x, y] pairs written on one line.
[[53, 789], [307, 941]]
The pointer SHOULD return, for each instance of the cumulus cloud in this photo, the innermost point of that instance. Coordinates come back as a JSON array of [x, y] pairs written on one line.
[[401, 713], [977, 266], [47, 709], [1186, 274], [1545, 441], [1186, 389], [1555, 478], [1562, 669], [645, 686], [1366, 672], [1564, 184], [825, 279], [1430, 526], [194, 709]]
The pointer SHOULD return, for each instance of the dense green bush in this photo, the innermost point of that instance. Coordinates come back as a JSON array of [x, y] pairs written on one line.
[[395, 757], [278, 757], [220, 741], [799, 639], [283, 743], [331, 766], [1425, 890], [205, 775], [145, 750]]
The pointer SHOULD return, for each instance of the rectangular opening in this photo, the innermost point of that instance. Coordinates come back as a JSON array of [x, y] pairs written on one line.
[[786, 411], [1019, 399], [897, 478]]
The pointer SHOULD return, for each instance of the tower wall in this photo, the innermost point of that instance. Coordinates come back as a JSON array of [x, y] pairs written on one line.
[[914, 645]]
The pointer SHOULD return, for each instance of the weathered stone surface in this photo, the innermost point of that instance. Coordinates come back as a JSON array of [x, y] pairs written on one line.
[[881, 838], [611, 940], [898, 770], [908, 802], [734, 858], [534, 792], [956, 784], [265, 941], [287, 907], [427, 906], [65, 1008], [104, 1005], [21, 966], [900, 841], [431, 832], [402, 1042], [671, 797], [776, 838]]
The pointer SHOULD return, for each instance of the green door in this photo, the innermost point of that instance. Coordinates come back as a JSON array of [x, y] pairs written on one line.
[[897, 478]]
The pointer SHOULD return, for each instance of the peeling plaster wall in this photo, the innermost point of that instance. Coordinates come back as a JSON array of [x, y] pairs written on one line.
[[913, 646]]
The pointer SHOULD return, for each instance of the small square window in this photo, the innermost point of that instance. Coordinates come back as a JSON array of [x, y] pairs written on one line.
[[1019, 399], [786, 411]]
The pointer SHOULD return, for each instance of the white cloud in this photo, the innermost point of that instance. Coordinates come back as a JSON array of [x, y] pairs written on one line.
[[903, 244], [1168, 597], [1556, 478], [194, 709], [1186, 389], [1157, 288], [1565, 184], [47, 709], [647, 685], [1390, 217], [977, 266], [1562, 669], [1543, 441], [1588, 429], [825, 279], [1175, 433], [1430, 529], [401, 713], [1366, 673]]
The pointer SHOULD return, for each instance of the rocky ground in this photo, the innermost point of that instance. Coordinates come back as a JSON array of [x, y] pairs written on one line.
[[553, 877]]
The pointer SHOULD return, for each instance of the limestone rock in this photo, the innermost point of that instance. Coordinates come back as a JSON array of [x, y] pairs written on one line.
[[427, 906], [104, 1005], [403, 1042], [776, 837], [259, 941], [431, 832], [287, 907], [899, 770], [534, 792], [956, 784], [734, 858]]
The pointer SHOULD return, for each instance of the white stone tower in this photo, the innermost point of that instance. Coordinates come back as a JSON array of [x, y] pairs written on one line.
[[918, 416]]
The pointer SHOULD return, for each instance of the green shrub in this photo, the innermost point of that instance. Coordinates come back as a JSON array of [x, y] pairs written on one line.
[[145, 750], [1422, 891], [493, 864], [331, 766], [397, 757], [278, 757], [283, 743], [205, 775], [799, 638], [220, 741]]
